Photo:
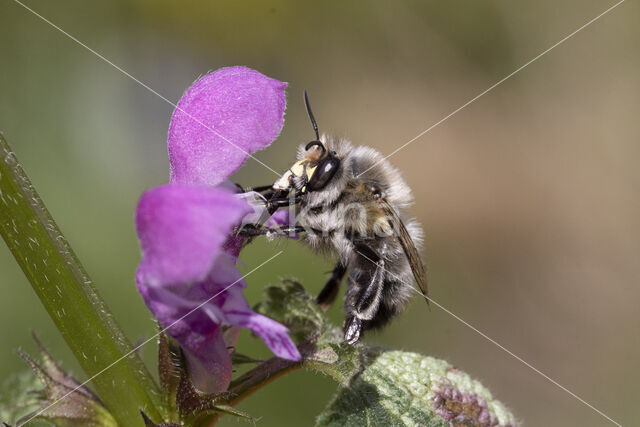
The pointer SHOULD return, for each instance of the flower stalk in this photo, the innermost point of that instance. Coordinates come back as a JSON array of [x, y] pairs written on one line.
[[70, 298]]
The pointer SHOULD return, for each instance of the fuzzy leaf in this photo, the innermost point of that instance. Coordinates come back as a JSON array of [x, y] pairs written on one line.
[[18, 397], [63, 401], [290, 304], [377, 387], [408, 389]]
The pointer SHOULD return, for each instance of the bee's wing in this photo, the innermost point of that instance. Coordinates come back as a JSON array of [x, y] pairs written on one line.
[[415, 261]]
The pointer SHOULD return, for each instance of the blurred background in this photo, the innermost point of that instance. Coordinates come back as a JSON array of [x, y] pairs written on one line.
[[529, 196]]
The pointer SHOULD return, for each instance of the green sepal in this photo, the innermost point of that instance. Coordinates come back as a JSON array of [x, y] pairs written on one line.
[[63, 401], [183, 401], [290, 304]]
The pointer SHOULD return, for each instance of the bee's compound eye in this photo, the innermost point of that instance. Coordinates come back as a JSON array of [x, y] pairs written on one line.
[[323, 173]]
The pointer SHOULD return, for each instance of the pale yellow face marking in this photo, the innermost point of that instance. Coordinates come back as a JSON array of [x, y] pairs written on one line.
[[301, 168], [298, 169]]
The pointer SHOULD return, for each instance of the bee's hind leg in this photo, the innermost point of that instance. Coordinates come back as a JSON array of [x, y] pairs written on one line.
[[363, 301], [328, 294]]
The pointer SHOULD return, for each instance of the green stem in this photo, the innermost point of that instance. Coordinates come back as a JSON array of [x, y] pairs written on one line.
[[69, 296], [323, 360]]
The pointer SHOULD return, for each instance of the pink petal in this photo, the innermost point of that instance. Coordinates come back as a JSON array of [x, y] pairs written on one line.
[[182, 230], [221, 119], [272, 333], [281, 217], [208, 361]]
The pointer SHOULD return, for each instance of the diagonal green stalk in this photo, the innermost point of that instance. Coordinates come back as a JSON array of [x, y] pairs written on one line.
[[70, 298]]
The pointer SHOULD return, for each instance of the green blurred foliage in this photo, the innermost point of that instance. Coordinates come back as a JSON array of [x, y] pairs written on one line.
[[528, 196]]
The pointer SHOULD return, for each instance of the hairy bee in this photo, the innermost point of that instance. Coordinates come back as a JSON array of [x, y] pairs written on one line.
[[351, 204]]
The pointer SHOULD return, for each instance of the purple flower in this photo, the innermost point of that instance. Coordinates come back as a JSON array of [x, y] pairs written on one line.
[[188, 276], [220, 120]]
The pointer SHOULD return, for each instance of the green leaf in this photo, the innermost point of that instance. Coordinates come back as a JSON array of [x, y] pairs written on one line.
[[17, 398], [69, 296], [63, 401], [290, 304], [406, 389], [377, 387], [319, 341]]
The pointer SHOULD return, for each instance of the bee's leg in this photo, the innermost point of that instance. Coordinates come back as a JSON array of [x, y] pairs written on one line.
[[257, 189], [250, 230], [265, 190], [328, 294], [260, 188], [363, 302], [275, 203]]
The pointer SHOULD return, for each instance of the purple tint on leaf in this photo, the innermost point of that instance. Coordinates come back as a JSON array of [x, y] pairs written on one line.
[[221, 119], [181, 230], [463, 408]]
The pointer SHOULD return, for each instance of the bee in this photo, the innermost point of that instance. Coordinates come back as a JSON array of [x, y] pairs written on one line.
[[351, 204]]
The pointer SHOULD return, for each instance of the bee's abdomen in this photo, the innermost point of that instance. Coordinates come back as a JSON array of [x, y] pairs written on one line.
[[396, 289]]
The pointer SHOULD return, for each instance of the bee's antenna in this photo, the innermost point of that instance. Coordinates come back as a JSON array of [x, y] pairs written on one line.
[[310, 113]]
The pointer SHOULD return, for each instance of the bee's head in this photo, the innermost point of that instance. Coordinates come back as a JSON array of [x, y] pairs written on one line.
[[317, 167]]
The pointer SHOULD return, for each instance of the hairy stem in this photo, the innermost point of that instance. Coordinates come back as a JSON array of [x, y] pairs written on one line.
[[70, 298], [324, 361]]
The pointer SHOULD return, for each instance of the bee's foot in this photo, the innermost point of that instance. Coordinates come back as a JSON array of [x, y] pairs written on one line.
[[352, 330]]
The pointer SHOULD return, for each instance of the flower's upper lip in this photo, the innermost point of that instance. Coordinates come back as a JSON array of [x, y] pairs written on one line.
[[220, 121]]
